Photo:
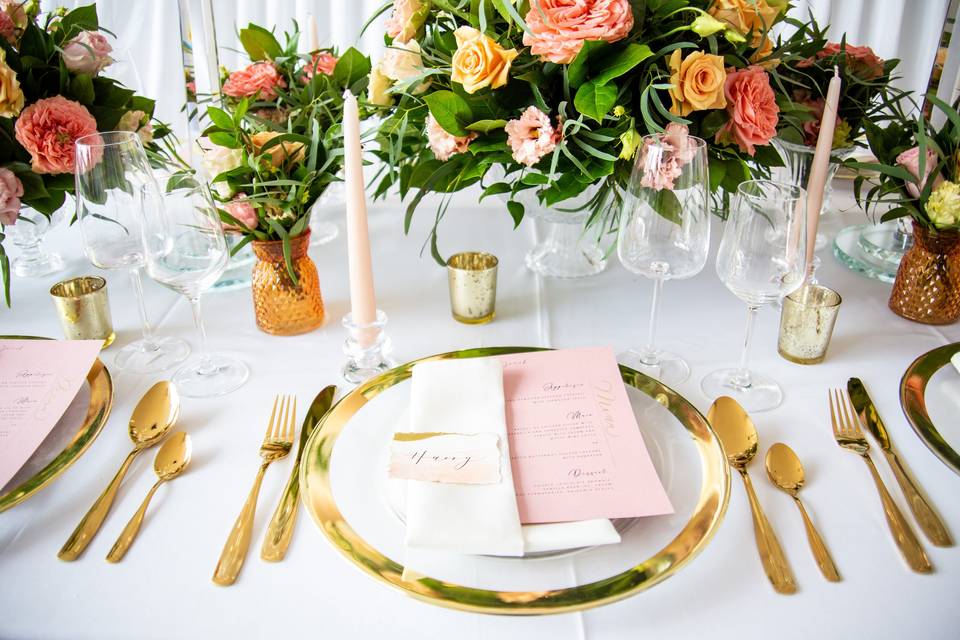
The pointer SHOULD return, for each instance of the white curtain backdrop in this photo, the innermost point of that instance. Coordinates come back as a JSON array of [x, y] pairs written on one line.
[[148, 34]]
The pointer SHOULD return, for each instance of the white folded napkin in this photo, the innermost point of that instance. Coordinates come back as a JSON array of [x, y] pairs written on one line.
[[466, 396], [956, 361]]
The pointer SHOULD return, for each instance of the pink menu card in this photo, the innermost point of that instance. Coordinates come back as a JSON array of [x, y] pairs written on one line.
[[38, 380], [575, 447]]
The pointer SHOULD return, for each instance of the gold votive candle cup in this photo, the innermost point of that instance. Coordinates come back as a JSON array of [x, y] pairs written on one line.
[[84, 309], [473, 286], [806, 323]]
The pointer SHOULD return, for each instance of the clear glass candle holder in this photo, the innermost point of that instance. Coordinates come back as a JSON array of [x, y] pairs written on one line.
[[84, 309], [367, 347], [806, 323], [473, 286]]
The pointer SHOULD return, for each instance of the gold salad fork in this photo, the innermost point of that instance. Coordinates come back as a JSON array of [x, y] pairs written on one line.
[[276, 444], [849, 435]]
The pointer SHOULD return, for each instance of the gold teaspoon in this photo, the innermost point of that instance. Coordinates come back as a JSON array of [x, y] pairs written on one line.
[[786, 472], [171, 460], [739, 439], [152, 419]]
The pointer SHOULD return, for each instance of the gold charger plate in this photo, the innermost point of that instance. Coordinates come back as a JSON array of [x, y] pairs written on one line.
[[708, 511], [913, 387], [97, 411]]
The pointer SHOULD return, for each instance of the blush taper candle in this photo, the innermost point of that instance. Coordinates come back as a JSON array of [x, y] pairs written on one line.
[[817, 183]]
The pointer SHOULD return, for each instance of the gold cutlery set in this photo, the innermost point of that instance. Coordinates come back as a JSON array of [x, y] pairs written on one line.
[[152, 419], [738, 435]]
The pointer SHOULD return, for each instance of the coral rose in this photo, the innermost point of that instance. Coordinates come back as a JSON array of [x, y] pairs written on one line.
[[862, 61], [259, 78], [531, 137], [320, 62], [11, 97], [139, 123], [284, 153], [48, 129], [479, 61], [87, 52], [558, 28], [241, 210], [11, 190], [910, 160], [406, 19], [444, 144], [752, 107], [746, 16], [696, 82]]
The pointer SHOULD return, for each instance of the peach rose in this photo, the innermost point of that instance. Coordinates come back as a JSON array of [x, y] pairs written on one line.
[[752, 107], [285, 153], [910, 160], [479, 61], [445, 144], [531, 137], [243, 212], [762, 55], [11, 190], [558, 28], [11, 97], [259, 78], [862, 61], [48, 129], [406, 19], [696, 82], [746, 16], [320, 62], [88, 52]]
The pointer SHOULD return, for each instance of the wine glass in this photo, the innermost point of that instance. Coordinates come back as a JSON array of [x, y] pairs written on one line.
[[187, 252], [762, 257], [665, 232], [113, 183]]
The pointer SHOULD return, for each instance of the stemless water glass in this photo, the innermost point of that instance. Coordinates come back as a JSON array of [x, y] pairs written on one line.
[[114, 183], [665, 232], [762, 257], [187, 252]]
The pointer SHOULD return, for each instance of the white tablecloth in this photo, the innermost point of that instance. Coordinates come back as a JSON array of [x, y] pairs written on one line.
[[163, 589]]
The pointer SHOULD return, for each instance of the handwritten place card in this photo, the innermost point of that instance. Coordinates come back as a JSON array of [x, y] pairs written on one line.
[[575, 448], [450, 458], [38, 380]]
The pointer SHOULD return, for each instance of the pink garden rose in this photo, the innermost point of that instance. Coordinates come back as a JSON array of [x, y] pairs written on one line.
[[48, 129], [11, 190], [405, 20], [243, 211], [752, 107], [88, 52], [663, 163], [910, 160], [8, 30], [13, 19], [443, 143], [532, 136], [259, 77], [321, 62], [558, 28]]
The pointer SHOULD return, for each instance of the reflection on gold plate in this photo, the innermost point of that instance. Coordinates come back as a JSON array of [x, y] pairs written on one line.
[[691, 539], [913, 386], [97, 411]]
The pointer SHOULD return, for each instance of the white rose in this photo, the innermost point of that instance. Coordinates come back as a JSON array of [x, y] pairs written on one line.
[[402, 62], [217, 160], [377, 90]]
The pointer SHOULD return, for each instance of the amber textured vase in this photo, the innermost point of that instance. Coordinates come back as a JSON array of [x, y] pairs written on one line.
[[282, 308], [927, 288]]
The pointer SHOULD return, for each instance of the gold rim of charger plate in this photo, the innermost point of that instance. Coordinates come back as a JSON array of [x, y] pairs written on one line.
[[710, 509], [913, 386], [101, 401]]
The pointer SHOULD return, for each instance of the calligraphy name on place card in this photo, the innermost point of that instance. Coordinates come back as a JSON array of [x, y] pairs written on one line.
[[449, 458]]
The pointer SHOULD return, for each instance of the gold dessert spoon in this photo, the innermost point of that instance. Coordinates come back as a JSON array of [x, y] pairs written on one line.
[[152, 419], [171, 460], [786, 472]]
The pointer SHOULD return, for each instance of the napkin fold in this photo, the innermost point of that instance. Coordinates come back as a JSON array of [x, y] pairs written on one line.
[[956, 361], [466, 396]]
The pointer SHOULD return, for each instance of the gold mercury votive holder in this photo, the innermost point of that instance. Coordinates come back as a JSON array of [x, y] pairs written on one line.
[[806, 323], [84, 309], [473, 286]]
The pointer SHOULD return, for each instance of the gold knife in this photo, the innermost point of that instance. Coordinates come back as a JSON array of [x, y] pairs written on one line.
[[926, 517], [280, 530]]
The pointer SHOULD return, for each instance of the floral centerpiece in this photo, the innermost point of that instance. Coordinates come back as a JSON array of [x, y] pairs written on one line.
[[53, 91], [918, 176], [556, 95], [272, 148]]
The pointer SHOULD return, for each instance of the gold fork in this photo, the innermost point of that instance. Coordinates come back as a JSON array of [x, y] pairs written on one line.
[[276, 444], [849, 435]]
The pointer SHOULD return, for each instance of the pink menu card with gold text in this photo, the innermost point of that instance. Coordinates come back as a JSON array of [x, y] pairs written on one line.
[[38, 380], [575, 447]]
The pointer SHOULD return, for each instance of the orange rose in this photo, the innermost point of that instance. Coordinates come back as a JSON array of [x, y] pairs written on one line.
[[746, 16], [697, 82], [284, 153], [762, 55], [479, 61]]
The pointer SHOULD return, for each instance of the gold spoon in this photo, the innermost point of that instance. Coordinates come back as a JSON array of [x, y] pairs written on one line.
[[786, 472], [739, 439], [152, 419], [171, 460]]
